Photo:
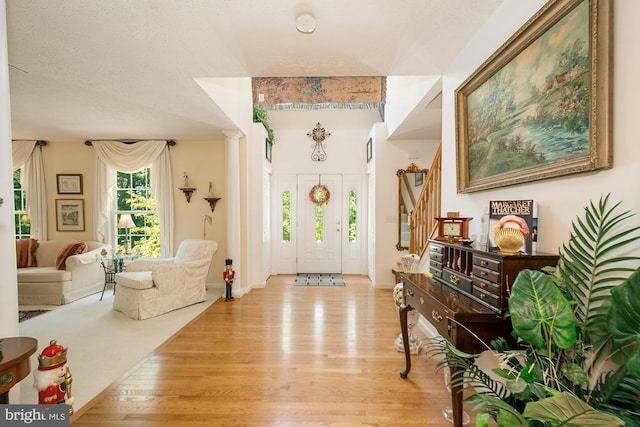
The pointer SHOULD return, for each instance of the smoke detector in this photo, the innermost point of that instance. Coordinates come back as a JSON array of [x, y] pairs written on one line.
[[306, 23]]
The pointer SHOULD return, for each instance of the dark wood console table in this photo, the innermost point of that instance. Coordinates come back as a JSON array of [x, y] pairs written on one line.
[[14, 363], [465, 299]]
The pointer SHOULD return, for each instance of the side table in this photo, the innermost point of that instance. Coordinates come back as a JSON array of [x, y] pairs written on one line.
[[112, 265], [14, 362]]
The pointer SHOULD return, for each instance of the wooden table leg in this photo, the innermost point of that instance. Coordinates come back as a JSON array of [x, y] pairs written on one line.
[[404, 310], [456, 397]]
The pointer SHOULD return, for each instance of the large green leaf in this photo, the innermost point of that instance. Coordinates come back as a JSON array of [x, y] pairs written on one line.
[[539, 310], [623, 320], [591, 264], [569, 411], [505, 414]]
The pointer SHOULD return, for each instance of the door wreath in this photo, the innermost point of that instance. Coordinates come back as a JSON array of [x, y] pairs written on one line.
[[319, 195]]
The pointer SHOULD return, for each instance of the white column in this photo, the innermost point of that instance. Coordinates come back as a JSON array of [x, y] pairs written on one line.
[[8, 272], [234, 236]]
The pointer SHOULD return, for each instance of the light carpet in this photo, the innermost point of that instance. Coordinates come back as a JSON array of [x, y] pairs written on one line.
[[103, 344], [319, 279]]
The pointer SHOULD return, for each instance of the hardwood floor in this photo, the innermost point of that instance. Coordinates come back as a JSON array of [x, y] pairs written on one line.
[[280, 356]]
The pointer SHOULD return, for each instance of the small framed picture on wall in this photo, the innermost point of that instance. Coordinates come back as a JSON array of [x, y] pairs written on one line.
[[70, 214], [69, 183]]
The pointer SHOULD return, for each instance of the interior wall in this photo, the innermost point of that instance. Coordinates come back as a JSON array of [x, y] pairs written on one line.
[[560, 200], [202, 161], [8, 273], [345, 149], [388, 157]]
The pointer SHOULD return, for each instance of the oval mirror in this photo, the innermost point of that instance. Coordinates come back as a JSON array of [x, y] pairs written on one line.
[[410, 184]]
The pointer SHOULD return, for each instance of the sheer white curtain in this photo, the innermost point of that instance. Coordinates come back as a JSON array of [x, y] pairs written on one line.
[[27, 154], [116, 155]]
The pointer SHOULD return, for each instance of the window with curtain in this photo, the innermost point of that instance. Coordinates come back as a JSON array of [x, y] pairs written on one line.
[[134, 197], [21, 219]]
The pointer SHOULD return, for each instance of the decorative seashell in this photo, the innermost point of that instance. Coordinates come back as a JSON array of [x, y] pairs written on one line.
[[509, 240]]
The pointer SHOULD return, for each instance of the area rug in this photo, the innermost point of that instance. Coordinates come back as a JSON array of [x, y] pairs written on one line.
[[319, 279], [103, 344], [29, 314]]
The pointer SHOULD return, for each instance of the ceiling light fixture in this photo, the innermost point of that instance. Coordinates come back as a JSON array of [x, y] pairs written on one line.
[[306, 23]]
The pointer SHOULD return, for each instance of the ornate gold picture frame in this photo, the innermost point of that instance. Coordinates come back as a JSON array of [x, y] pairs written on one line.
[[540, 106]]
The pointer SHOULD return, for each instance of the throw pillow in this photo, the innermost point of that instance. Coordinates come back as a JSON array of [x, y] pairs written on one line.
[[73, 248], [26, 253]]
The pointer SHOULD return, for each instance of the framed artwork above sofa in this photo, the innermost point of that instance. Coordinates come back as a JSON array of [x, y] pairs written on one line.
[[70, 214]]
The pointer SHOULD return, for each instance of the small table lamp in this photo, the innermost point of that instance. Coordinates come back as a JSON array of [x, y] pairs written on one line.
[[126, 222]]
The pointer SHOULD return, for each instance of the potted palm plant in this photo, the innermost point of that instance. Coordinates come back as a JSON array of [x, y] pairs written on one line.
[[578, 325]]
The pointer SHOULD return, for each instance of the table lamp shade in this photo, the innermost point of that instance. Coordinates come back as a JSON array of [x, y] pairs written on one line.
[[126, 221]]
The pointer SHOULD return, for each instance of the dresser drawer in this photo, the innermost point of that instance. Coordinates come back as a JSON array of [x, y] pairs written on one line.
[[487, 263], [436, 313], [435, 271], [435, 257], [486, 274], [487, 297], [456, 300], [487, 286], [457, 280], [435, 249]]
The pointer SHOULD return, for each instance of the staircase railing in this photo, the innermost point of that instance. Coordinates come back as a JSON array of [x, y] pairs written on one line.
[[423, 225]]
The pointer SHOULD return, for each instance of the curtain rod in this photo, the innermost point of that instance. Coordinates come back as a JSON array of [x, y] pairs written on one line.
[[170, 142], [39, 142]]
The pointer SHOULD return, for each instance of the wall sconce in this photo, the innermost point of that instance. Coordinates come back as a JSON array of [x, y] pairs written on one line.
[[126, 222], [188, 191], [210, 199]]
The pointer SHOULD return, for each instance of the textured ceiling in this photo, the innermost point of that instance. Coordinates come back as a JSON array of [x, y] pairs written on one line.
[[125, 69]]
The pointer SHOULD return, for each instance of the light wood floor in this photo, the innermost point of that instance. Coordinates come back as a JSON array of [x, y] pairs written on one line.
[[280, 356]]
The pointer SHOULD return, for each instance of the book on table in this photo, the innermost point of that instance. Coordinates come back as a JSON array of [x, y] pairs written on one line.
[[522, 214]]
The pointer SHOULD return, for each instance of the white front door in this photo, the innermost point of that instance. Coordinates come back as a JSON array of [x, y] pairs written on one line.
[[319, 243]]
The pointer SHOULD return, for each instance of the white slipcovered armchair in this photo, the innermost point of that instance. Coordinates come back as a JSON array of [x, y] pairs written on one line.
[[154, 286]]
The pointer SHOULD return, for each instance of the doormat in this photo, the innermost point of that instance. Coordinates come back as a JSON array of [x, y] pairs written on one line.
[[29, 314], [319, 279]]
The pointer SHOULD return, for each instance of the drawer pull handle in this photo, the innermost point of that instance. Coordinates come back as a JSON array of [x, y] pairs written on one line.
[[484, 263], [483, 296], [436, 316], [454, 296], [483, 273], [409, 293], [454, 279], [421, 300], [483, 285]]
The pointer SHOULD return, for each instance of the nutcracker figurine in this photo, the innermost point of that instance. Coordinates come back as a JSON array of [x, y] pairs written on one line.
[[53, 377], [228, 276]]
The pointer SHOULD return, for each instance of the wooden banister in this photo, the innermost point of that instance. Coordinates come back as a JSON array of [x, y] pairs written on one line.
[[422, 223]]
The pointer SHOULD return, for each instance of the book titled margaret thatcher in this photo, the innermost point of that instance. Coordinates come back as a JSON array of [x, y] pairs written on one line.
[[520, 214]]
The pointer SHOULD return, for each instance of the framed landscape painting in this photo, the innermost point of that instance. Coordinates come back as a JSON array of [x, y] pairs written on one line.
[[541, 106], [69, 214]]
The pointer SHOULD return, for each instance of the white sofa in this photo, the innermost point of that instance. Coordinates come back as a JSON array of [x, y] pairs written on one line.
[[46, 285]]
